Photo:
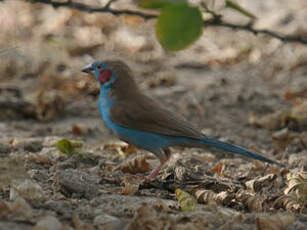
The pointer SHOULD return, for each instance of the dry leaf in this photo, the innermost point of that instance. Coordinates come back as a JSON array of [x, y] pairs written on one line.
[[255, 185], [207, 196], [297, 182], [219, 169], [42, 159], [131, 185], [296, 94], [273, 121], [288, 202], [135, 165], [122, 148], [79, 129], [253, 202], [186, 201], [275, 222], [205, 157]]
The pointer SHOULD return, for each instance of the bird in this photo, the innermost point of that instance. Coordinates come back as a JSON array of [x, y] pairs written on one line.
[[144, 122]]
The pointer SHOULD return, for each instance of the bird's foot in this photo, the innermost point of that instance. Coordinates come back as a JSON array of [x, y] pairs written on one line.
[[154, 173]]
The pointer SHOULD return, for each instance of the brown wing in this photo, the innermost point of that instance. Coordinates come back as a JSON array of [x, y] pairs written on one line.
[[147, 115]]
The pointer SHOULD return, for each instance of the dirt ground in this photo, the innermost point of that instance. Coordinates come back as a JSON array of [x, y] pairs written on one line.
[[238, 87]]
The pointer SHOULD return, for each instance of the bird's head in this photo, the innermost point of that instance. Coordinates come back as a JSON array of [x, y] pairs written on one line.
[[113, 74], [103, 73]]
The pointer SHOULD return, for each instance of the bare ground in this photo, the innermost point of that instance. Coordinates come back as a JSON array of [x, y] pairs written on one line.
[[245, 89]]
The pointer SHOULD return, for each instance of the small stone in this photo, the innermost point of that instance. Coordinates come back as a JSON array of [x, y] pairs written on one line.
[[27, 189], [105, 221], [49, 223]]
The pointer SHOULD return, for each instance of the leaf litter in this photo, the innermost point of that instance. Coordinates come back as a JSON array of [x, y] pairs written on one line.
[[44, 99]]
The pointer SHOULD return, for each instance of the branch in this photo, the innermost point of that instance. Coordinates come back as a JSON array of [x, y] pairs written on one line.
[[109, 4], [90, 9], [216, 21], [248, 27]]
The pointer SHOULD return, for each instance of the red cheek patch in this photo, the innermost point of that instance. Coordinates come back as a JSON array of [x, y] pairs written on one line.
[[105, 76]]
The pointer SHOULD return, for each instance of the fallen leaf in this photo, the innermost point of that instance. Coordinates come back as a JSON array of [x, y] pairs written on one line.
[[273, 121], [186, 201], [255, 185], [288, 202], [207, 196], [297, 182], [219, 169], [122, 148], [131, 185], [253, 202], [68, 147], [79, 129], [135, 165]]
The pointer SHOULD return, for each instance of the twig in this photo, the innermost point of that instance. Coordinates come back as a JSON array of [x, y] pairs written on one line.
[[215, 21], [107, 6], [90, 9], [248, 27]]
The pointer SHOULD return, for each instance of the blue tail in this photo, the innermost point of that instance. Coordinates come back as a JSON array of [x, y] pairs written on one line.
[[235, 149]]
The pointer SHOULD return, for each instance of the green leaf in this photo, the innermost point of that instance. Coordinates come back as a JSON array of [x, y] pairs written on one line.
[[153, 4], [237, 7], [178, 26], [157, 4], [68, 147], [186, 201]]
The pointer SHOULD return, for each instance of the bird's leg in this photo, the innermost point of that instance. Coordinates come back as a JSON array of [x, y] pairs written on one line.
[[163, 160]]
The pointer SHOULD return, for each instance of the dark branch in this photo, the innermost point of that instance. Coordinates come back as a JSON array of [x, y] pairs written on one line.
[[90, 9], [109, 4], [248, 27], [216, 21]]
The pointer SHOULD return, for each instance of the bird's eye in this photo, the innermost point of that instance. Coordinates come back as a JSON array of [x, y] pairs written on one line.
[[99, 67]]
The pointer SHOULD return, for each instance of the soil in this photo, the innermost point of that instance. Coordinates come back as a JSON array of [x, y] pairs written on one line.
[[237, 87]]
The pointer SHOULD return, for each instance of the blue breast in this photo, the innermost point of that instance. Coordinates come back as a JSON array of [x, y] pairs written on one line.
[[142, 139]]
